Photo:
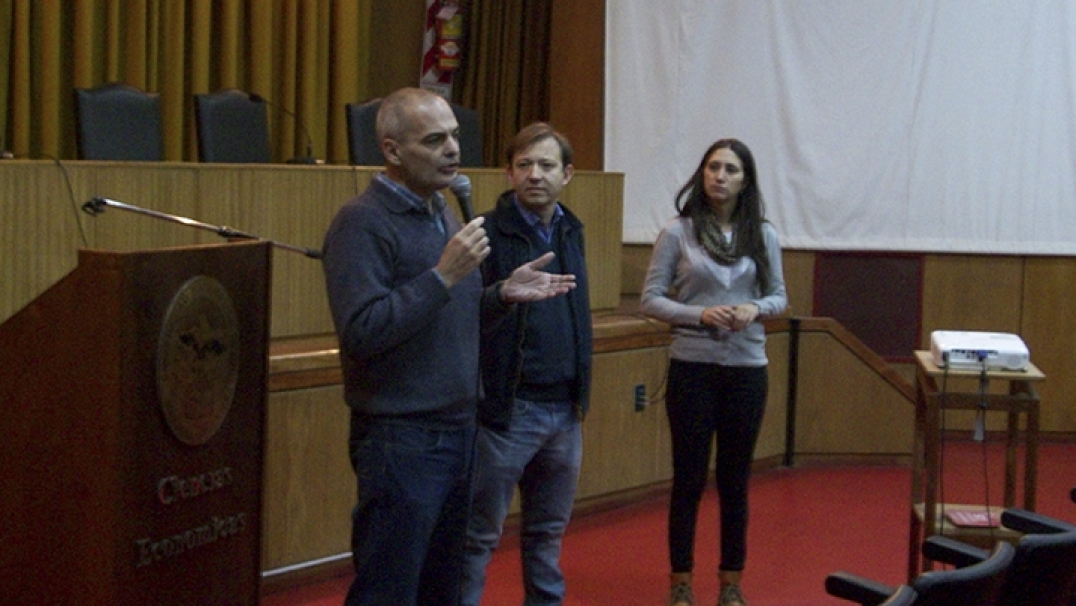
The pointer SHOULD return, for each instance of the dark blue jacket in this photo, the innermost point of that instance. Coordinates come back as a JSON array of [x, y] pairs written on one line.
[[501, 356]]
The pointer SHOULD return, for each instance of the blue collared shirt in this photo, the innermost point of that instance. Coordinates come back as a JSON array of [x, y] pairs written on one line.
[[437, 202], [535, 220]]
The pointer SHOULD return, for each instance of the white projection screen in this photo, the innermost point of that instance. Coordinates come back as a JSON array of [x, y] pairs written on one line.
[[889, 125]]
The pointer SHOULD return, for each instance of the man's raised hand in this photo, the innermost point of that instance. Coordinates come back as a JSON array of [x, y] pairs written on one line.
[[464, 252]]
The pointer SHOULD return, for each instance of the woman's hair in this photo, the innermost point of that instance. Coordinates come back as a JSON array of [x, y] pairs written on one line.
[[749, 214]]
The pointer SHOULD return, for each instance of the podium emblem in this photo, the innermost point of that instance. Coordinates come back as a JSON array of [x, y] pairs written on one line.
[[198, 360]]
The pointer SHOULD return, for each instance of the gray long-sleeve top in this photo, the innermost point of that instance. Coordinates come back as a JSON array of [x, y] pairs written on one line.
[[683, 280]]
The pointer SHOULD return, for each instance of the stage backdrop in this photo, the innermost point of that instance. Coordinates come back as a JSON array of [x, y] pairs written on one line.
[[926, 125]]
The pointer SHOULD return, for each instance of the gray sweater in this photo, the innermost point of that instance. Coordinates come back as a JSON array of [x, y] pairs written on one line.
[[683, 280]]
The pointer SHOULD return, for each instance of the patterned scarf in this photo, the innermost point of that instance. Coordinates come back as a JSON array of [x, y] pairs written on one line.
[[709, 233]]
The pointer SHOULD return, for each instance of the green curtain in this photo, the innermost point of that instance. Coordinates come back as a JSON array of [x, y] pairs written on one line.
[[309, 57]]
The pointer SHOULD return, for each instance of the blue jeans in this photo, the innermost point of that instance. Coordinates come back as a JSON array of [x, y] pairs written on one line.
[[410, 522], [541, 452]]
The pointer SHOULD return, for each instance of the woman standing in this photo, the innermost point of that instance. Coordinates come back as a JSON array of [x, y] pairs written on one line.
[[715, 271]]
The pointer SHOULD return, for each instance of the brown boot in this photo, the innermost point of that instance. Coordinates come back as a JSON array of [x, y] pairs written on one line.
[[731, 594], [680, 592]]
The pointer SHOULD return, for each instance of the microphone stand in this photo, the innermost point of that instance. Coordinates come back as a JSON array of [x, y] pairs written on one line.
[[96, 206], [309, 157]]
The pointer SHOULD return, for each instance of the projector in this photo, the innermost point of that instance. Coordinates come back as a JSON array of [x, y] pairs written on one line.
[[963, 350]]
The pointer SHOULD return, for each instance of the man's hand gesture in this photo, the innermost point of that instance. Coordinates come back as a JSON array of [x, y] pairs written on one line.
[[527, 283]]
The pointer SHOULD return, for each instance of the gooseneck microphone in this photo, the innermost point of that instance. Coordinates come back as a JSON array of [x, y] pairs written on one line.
[[309, 157], [461, 188], [96, 206]]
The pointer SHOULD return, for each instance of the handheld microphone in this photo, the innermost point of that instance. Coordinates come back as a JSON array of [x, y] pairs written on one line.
[[309, 157], [461, 188]]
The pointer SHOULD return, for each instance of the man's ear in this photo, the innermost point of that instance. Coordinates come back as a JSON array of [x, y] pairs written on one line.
[[391, 150], [568, 172]]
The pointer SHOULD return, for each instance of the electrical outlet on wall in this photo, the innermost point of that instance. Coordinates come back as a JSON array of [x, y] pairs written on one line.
[[640, 397]]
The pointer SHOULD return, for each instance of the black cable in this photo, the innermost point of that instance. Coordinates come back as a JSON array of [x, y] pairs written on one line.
[[984, 385], [71, 195], [941, 443]]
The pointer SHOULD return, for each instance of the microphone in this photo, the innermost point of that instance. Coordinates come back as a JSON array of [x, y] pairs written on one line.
[[461, 188], [309, 157], [95, 206]]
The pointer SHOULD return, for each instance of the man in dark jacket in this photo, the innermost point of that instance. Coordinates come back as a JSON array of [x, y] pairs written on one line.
[[536, 368], [407, 304]]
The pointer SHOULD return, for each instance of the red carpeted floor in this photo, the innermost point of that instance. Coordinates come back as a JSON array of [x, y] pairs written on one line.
[[805, 523]]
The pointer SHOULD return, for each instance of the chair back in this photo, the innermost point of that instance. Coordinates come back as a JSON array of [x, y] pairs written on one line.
[[365, 150], [470, 136], [978, 584], [116, 121], [232, 127], [1043, 571], [903, 596]]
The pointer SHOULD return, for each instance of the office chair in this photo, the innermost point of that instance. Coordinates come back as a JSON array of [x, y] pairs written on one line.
[[365, 150], [470, 136], [978, 584], [116, 121], [232, 127], [1044, 567], [903, 596]]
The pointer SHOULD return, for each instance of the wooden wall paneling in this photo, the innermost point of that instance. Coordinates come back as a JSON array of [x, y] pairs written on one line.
[[39, 229], [598, 202], [292, 204], [843, 407], [1047, 327], [771, 440], [971, 292], [634, 262], [165, 188], [798, 268], [622, 448], [288, 204], [309, 486]]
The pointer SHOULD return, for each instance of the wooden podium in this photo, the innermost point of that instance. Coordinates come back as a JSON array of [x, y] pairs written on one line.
[[132, 398]]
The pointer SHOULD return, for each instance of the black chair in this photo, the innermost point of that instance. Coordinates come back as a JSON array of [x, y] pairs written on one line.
[[1043, 571], [362, 145], [116, 121], [365, 150], [979, 584], [232, 127], [903, 596]]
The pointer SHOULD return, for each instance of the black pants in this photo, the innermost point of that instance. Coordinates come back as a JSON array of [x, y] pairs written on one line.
[[704, 400]]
